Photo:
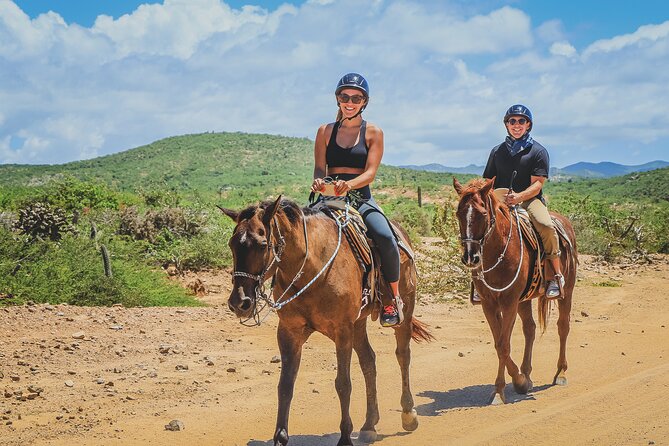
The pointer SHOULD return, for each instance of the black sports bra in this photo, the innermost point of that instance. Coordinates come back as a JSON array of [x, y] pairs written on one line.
[[355, 157]]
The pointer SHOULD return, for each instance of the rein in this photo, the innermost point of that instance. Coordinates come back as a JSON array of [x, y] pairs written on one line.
[[276, 305], [481, 242]]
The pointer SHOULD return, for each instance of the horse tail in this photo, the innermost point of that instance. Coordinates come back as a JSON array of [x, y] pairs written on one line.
[[419, 331], [543, 305]]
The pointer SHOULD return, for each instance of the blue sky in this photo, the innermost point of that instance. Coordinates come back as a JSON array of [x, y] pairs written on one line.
[[74, 85]]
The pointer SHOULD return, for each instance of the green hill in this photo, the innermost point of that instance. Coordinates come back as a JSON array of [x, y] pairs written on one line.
[[231, 167], [208, 163], [651, 186]]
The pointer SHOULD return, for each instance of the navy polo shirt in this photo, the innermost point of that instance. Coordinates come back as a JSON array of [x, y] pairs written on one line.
[[533, 161]]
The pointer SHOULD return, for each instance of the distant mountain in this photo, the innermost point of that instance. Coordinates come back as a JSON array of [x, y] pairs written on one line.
[[606, 169], [586, 170], [434, 167]]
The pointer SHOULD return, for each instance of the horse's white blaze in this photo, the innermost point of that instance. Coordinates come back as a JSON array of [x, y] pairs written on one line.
[[470, 211], [242, 239]]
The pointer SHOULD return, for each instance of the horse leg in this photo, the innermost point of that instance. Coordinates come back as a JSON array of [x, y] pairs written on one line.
[[367, 359], [564, 306], [290, 346], [344, 346], [403, 354], [501, 323], [529, 330], [520, 382]]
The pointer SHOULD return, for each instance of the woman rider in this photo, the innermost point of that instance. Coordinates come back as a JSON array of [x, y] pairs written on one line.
[[349, 151], [520, 153]]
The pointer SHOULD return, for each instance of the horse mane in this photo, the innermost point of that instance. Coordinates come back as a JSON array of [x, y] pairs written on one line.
[[475, 185], [291, 210]]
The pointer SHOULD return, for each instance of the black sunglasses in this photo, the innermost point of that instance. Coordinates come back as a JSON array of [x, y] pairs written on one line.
[[356, 98], [513, 121]]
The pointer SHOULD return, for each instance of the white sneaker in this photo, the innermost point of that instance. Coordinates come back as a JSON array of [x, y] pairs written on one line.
[[554, 289]]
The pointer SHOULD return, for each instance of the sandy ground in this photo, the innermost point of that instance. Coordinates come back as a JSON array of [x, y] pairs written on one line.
[[83, 376]]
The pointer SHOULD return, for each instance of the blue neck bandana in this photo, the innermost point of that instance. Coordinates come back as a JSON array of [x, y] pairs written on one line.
[[516, 146]]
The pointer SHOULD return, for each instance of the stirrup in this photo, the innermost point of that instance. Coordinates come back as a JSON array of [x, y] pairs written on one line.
[[555, 287], [392, 315]]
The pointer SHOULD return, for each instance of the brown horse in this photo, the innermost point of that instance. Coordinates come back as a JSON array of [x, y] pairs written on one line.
[[315, 290], [493, 250]]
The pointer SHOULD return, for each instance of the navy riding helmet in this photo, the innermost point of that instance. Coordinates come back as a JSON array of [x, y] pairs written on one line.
[[519, 110], [353, 80]]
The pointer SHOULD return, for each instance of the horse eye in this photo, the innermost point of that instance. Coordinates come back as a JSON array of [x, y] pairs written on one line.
[[261, 232]]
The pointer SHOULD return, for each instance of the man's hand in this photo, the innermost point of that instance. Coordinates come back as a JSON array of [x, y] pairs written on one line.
[[512, 199]]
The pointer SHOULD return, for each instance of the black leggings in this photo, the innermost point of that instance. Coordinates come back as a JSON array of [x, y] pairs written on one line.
[[378, 228]]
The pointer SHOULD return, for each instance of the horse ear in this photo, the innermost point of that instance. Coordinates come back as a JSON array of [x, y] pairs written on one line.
[[229, 212], [488, 185], [457, 186], [271, 210]]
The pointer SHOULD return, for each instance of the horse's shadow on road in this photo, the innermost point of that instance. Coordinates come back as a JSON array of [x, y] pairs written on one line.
[[321, 440], [469, 397]]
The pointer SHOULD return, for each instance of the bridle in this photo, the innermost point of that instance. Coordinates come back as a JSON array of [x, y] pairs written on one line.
[[480, 275], [276, 251]]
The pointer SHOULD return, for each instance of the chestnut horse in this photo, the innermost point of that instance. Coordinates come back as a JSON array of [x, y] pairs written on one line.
[[493, 250], [316, 290]]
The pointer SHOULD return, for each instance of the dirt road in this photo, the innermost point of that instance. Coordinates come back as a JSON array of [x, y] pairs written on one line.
[[116, 376]]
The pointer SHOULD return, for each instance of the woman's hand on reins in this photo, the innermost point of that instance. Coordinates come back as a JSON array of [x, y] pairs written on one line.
[[341, 187], [318, 185]]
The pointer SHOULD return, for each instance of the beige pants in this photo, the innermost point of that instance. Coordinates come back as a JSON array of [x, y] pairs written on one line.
[[542, 222]]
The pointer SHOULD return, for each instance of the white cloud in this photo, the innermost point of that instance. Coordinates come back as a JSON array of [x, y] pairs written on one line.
[[644, 35], [562, 49], [440, 79]]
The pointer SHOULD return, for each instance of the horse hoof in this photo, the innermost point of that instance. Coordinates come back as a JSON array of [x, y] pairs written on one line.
[[497, 400], [410, 420], [560, 380], [367, 436], [281, 438], [523, 387]]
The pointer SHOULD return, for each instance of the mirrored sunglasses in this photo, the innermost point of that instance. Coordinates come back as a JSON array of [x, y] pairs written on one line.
[[356, 98], [514, 121]]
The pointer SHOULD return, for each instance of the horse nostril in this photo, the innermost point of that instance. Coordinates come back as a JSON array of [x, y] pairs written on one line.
[[245, 304], [476, 259]]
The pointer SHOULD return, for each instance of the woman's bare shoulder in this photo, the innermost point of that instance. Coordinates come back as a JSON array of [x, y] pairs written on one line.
[[374, 129], [325, 129]]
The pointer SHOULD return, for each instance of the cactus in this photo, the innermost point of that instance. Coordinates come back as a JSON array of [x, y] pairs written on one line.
[[39, 220], [94, 231], [105, 260]]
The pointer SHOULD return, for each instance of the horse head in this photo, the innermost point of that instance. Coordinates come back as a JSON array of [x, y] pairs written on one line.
[[253, 252], [476, 217]]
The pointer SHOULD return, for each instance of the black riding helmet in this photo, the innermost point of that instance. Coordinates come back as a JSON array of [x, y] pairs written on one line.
[[519, 110], [357, 82]]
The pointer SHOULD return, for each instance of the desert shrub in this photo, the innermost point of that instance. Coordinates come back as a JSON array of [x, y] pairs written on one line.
[[160, 196], [72, 271], [41, 221], [417, 221], [7, 220], [75, 195], [444, 265], [165, 224]]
